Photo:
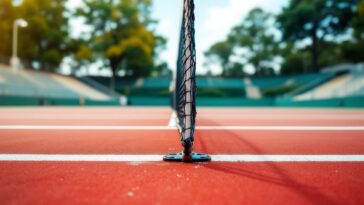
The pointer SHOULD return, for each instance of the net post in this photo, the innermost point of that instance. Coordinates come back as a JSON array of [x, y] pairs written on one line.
[[184, 95]]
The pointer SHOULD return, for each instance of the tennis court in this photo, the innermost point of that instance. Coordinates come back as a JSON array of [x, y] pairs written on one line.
[[114, 155], [183, 153]]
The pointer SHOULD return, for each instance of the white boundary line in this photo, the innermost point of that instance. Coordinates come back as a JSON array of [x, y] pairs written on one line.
[[82, 127], [99, 127], [172, 120], [158, 158]]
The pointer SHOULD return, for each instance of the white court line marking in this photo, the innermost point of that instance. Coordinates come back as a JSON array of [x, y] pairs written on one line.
[[82, 127], [97, 127], [172, 120], [158, 158]]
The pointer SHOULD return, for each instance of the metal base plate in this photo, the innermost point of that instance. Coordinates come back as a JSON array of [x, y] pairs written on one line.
[[180, 157]]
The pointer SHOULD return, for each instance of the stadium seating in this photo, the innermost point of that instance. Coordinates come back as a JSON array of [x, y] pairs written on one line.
[[347, 85], [249, 91], [270, 82], [155, 83], [220, 83], [42, 85]]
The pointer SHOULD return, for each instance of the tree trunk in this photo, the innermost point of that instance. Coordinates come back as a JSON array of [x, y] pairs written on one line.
[[112, 80], [113, 65], [314, 49]]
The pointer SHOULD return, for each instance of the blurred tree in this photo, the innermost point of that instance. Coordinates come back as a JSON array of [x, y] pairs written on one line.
[[331, 54], [220, 53], [295, 63], [256, 38], [235, 70], [250, 42], [353, 50], [358, 21], [316, 20], [42, 44], [162, 70], [7, 16], [297, 60], [47, 35], [121, 34]]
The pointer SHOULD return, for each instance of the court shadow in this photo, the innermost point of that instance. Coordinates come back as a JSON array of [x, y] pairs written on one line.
[[312, 194]]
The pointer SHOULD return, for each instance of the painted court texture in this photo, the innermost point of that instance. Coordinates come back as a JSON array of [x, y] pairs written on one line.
[[68, 155]]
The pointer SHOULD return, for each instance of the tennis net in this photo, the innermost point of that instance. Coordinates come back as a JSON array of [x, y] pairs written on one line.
[[184, 93]]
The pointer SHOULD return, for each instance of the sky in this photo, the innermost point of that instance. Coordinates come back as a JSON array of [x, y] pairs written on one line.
[[214, 20]]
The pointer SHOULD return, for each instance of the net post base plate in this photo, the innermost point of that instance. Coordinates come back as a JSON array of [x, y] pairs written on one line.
[[181, 157]]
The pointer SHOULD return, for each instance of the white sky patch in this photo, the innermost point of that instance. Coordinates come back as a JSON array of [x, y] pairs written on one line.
[[78, 27], [167, 12], [214, 20], [220, 20], [167, 29]]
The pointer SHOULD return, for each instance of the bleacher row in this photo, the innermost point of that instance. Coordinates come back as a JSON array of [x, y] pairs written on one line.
[[34, 84], [203, 82], [156, 86], [46, 88], [235, 91], [34, 87], [350, 84]]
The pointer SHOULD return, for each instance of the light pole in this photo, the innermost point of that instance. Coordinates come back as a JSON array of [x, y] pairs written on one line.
[[14, 61]]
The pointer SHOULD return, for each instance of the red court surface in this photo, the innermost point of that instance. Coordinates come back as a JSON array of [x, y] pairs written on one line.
[[144, 132]]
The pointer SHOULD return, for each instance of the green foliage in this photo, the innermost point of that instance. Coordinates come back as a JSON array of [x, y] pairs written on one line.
[[327, 24], [353, 51], [294, 64], [252, 36], [331, 54], [281, 90], [220, 52], [297, 61], [7, 16], [162, 70], [235, 70], [315, 19], [45, 41], [121, 34], [358, 22]]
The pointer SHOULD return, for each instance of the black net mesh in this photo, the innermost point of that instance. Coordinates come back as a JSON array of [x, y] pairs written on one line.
[[185, 86]]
